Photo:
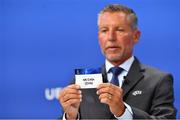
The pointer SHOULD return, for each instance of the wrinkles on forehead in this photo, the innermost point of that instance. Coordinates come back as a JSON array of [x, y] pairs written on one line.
[[116, 19]]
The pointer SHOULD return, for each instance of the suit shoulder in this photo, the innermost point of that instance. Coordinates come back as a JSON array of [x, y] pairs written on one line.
[[154, 72]]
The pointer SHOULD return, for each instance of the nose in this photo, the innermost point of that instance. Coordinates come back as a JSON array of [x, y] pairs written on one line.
[[111, 35]]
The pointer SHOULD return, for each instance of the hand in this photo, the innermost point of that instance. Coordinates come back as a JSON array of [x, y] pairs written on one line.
[[70, 98], [113, 96]]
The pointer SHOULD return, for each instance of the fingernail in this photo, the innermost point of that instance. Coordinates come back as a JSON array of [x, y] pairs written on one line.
[[80, 96], [97, 92], [77, 86], [79, 92]]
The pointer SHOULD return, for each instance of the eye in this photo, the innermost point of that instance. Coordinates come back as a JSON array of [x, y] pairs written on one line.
[[103, 30], [120, 30]]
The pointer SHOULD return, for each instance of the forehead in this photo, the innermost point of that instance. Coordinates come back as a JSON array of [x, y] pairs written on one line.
[[112, 18]]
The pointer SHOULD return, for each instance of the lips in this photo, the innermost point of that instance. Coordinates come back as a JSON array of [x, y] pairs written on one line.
[[112, 48]]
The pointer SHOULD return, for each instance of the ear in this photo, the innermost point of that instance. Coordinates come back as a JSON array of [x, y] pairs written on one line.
[[136, 36]]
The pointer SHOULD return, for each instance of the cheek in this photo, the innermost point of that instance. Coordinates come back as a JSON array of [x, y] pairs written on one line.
[[102, 42], [126, 43], [128, 46]]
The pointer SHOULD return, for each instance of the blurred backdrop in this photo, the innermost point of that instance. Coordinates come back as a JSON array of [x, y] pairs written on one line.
[[43, 41]]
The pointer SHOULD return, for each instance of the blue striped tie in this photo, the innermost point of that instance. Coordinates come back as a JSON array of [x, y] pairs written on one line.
[[115, 71]]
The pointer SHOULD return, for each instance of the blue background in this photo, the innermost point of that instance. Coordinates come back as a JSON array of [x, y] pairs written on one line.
[[43, 41]]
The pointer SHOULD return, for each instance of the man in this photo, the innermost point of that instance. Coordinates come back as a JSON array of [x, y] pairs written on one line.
[[145, 92]]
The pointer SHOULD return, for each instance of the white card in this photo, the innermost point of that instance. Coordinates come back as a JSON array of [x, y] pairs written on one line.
[[88, 80]]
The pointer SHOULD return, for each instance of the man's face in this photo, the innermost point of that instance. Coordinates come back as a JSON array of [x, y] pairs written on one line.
[[116, 36]]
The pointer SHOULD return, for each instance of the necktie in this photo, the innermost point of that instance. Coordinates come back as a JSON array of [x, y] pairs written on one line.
[[115, 71]]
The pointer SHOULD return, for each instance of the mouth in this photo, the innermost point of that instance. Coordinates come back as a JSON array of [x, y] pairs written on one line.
[[112, 48]]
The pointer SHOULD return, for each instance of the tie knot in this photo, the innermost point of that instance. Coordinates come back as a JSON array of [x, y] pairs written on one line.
[[116, 70]]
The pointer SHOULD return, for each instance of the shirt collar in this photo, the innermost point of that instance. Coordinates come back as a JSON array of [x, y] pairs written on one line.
[[126, 65]]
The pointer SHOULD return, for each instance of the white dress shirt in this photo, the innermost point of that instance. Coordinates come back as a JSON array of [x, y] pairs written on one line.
[[126, 66]]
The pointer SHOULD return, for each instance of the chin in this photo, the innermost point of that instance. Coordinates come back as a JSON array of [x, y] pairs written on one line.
[[114, 58]]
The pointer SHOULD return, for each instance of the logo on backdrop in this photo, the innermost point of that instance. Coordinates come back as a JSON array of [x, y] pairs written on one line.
[[52, 93]]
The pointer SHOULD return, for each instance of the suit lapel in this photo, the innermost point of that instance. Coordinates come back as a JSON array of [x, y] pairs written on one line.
[[133, 77], [104, 75]]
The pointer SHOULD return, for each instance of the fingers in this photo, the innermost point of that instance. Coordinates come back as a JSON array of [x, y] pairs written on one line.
[[104, 85], [109, 93], [105, 95], [71, 89], [105, 98], [70, 102], [72, 96], [73, 86], [69, 95], [68, 91], [105, 89], [108, 88]]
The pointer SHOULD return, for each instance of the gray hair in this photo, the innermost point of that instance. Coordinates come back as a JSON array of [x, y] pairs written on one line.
[[112, 8]]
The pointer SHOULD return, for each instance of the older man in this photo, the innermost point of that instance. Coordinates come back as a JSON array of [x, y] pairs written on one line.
[[145, 92]]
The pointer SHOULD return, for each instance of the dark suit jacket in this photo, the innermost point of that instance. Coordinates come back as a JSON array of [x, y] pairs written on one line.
[[147, 90]]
